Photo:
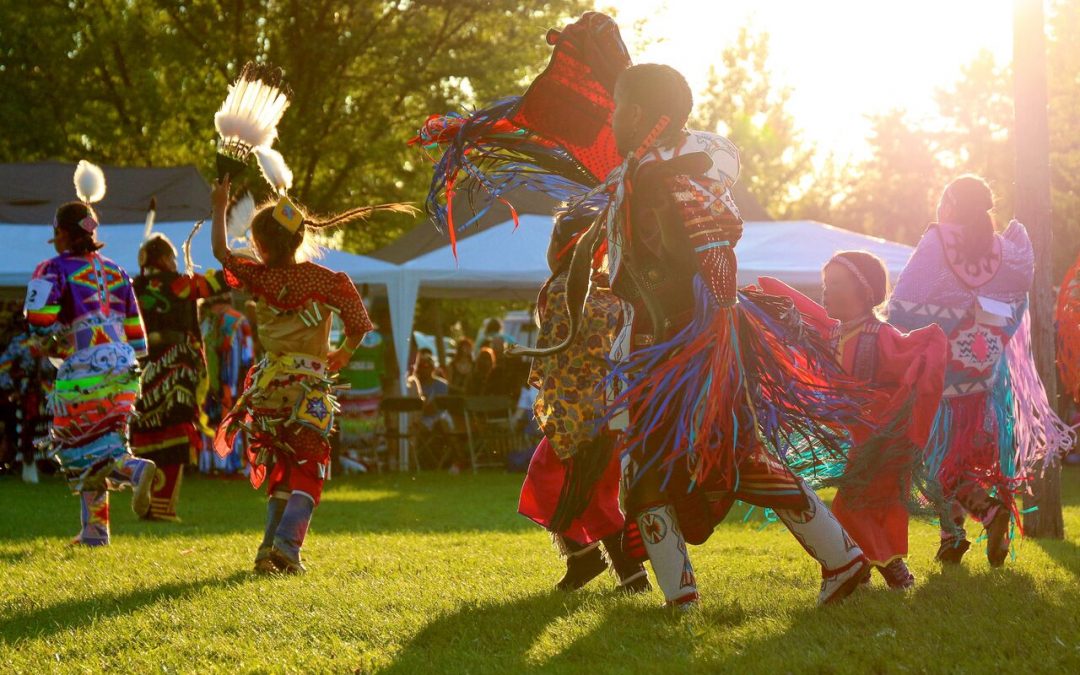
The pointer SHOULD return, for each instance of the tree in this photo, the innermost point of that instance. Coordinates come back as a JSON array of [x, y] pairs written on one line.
[[743, 103], [1033, 208], [138, 82], [893, 193], [978, 133], [1063, 63]]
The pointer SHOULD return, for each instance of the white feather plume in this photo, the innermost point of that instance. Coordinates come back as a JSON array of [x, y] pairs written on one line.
[[240, 215], [151, 218], [274, 170], [89, 182], [253, 108]]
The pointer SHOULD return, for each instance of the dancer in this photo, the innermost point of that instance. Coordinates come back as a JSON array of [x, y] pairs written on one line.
[[994, 426], [288, 406], [907, 371], [721, 384], [83, 303], [167, 428], [26, 378], [230, 353], [572, 485]]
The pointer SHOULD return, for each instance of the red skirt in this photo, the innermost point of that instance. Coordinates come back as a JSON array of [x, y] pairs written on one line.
[[543, 485], [879, 526]]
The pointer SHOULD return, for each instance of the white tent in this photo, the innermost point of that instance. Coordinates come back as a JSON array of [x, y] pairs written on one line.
[[500, 263], [24, 246], [508, 263], [794, 251]]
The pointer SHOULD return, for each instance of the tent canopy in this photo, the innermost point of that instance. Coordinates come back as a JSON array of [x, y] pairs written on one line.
[[424, 238], [794, 251], [30, 193], [502, 262], [27, 245]]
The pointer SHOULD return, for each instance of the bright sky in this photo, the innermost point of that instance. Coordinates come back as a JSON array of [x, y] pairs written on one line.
[[845, 59]]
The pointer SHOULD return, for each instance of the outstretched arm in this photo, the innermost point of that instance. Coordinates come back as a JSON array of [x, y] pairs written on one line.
[[219, 237]]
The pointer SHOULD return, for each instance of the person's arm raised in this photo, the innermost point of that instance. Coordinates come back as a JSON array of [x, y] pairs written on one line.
[[219, 238]]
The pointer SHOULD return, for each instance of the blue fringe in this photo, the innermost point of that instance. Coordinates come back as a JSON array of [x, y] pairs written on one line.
[[496, 164], [803, 423]]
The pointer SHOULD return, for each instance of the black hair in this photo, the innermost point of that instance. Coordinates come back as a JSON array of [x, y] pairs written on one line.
[[659, 90], [69, 218], [972, 201], [155, 249]]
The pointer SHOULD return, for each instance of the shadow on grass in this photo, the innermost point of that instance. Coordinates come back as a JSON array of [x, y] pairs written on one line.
[[12, 557], [499, 637], [496, 635], [387, 504], [75, 614], [953, 621]]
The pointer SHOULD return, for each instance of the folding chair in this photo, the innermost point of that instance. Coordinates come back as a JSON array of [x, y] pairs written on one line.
[[458, 438], [490, 430], [390, 411]]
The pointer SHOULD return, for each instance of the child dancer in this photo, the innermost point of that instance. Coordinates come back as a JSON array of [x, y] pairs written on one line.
[[167, 428], [994, 426], [909, 373], [85, 303], [288, 406]]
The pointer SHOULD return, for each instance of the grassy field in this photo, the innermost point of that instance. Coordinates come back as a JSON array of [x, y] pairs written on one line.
[[437, 573]]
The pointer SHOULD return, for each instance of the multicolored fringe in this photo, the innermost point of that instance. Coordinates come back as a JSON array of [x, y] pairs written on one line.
[[1040, 437], [556, 139], [497, 158], [728, 380], [173, 387], [1027, 431], [302, 379], [88, 466]]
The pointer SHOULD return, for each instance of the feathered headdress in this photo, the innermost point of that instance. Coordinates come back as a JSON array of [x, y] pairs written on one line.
[[249, 116], [90, 189]]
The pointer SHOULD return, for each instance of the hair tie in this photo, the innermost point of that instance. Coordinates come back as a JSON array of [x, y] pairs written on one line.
[[857, 273], [89, 223]]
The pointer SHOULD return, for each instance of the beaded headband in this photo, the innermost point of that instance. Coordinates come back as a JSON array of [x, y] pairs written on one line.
[[857, 273]]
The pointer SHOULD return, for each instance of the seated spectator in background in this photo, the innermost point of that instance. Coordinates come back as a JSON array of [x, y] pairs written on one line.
[[461, 366], [478, 380], [426, 385], [435, 427], [494, 338]]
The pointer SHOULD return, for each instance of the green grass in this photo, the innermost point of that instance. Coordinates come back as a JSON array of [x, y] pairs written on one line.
[[438, 574]]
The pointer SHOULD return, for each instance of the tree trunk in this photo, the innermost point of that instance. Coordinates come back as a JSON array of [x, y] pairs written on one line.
[[1033, 209]]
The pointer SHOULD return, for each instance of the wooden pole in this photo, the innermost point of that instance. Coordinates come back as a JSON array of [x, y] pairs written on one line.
[[1031, 134]]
